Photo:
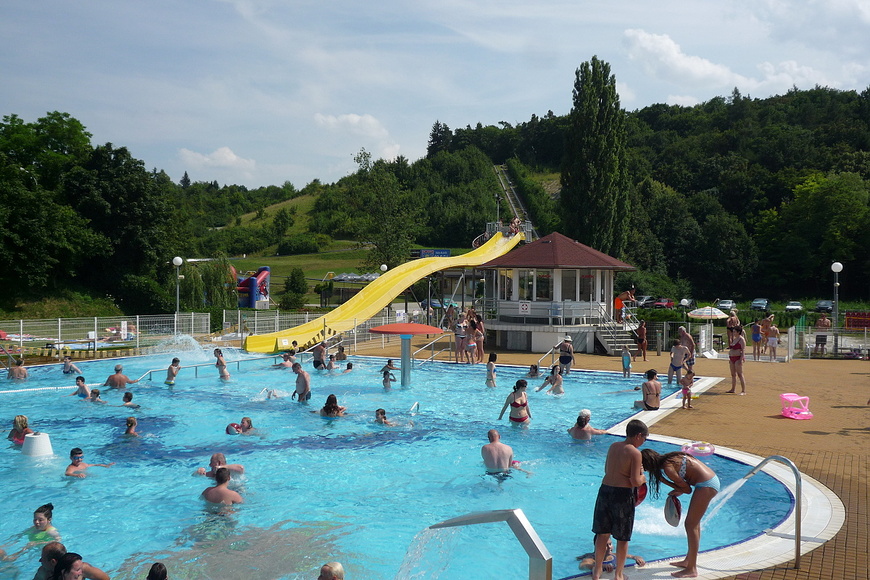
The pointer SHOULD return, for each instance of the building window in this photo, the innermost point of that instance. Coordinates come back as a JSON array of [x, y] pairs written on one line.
[[527, 285], [505, 284], [587, 283], [569, 284], [543, 285]]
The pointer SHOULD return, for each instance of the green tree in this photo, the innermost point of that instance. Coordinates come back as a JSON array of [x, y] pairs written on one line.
[[295, 289], [595, 201], [389, 222]]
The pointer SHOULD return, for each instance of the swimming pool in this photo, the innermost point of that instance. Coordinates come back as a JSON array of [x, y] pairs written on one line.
[[344, 489]]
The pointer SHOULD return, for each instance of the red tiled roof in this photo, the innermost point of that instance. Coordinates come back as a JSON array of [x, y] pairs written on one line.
[[554, 252]]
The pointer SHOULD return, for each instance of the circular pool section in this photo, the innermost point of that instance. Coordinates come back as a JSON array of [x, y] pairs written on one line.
[[341, 489]]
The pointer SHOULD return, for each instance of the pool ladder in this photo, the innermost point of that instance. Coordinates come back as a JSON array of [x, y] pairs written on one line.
[[540, 560], [797, 495]]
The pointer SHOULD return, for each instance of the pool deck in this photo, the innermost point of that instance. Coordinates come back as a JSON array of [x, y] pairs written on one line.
[[831, 448]]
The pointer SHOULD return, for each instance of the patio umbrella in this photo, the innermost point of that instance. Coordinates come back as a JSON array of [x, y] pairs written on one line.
[[707, 313], [406, 330]]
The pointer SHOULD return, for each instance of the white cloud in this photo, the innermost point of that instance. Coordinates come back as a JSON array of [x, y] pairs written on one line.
[[682, 100], [222, 158], [662, 57], [367, 127]]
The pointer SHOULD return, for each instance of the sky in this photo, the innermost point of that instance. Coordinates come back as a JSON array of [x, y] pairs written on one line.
[[260, 92]]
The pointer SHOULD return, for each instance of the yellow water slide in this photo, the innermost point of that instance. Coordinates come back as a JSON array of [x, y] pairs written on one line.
[[374, 297]]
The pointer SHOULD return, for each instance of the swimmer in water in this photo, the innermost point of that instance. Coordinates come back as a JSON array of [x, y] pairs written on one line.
[[42, 532], [95, 397], [131, 427], [82, 389], [69, 368], [389, 378], [381, 418], [172, 371], [555, 382], [491, 370]]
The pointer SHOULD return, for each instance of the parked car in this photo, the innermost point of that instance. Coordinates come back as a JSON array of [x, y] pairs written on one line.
[[825, 306], [664, 303], [762, 304], [646, 301], [794, 306], [726, 305], [688, 303]]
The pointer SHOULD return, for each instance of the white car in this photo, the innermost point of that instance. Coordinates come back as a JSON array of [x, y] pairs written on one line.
[[726, 305], [794, 306]]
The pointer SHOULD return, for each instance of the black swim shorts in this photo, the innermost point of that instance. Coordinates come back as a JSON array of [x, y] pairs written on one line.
[[614, 512], [318, 364]]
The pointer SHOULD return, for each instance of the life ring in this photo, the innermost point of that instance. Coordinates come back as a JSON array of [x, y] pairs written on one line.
[[699, 448], [234, 429]]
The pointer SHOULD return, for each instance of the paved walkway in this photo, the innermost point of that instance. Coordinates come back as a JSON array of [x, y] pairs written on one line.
[[832, 447]]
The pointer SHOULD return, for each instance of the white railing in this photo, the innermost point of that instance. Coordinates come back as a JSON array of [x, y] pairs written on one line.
[[101, 332]]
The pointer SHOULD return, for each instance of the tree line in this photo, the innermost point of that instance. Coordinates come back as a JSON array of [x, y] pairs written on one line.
[[732, 197]]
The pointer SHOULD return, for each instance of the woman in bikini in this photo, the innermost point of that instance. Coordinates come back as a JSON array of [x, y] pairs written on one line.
[[730, 324], [491, 370], [682, 472], [519, 404], [221, 364], [736, 356]]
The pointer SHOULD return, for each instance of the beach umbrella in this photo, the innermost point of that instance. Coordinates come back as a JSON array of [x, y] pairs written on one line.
[[707, 313], [406, 330]]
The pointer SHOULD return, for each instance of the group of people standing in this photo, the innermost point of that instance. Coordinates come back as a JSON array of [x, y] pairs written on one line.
[[470, 335]]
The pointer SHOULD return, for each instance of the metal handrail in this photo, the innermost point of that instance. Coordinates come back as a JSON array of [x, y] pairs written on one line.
[[540, 560], [434, 354], [797, 495], [196, 367], [551, 352]]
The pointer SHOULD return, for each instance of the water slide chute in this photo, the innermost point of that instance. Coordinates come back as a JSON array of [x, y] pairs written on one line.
[[377, 295]]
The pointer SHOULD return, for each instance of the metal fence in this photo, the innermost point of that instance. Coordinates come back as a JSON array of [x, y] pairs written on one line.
[[56, 335], [238, 324]]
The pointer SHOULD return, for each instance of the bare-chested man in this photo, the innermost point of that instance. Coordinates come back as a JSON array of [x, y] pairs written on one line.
[[220, 492], [772, 340], [119, 380], [497, 456], [303, 383], [319, 354], [823, 325], [614, 507], [217, 461], [641, 340], [679, 356], [689, 342], [17, 372]]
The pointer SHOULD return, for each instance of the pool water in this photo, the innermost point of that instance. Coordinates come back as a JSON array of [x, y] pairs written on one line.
[[341, 489]]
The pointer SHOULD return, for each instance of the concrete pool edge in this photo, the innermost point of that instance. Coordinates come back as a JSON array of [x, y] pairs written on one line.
[[823, 513]]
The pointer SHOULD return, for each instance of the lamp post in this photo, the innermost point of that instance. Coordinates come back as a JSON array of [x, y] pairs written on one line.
[[836, 268], [177, 262]]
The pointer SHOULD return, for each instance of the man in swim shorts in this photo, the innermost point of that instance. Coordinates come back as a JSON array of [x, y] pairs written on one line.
[[497, 456], [319, 354], [614, 507], [303, 383], [679, 356], [689, 342]]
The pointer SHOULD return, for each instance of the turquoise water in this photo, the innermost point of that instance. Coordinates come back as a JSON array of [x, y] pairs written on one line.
[[343, 489]]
